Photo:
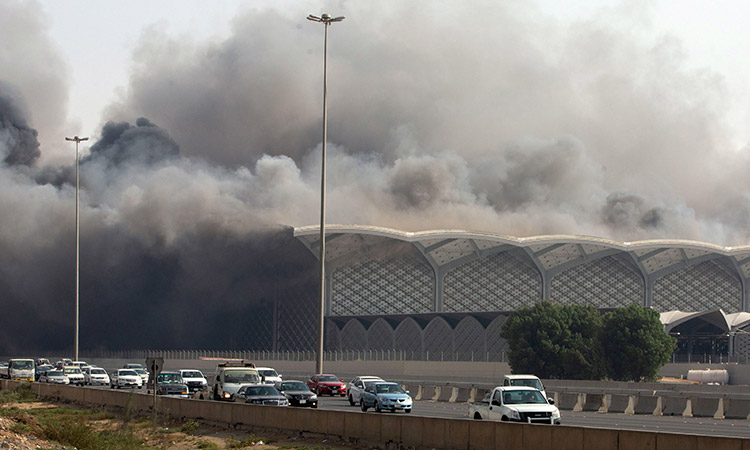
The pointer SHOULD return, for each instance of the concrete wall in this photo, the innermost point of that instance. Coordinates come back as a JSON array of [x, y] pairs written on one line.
[[390, 429]]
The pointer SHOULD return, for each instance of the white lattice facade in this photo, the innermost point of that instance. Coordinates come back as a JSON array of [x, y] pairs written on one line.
[[447, 293], [500, 282]]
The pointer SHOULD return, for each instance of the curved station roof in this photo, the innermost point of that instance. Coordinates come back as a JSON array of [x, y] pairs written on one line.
[[550, 252]]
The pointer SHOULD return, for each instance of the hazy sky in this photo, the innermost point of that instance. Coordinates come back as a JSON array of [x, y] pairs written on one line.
[[97, 39]]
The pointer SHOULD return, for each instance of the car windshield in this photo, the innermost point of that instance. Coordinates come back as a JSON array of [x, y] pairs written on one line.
[[294, 386], [69, 370], [521, 397], [140, 371], [327, 378], [370, 383], [261, 390], [240, 376], [22, 365], [268, 373], [169, 378], [192, 374], [97, 371], [530, 382], [389, 389], [127, 372], [54, 373]]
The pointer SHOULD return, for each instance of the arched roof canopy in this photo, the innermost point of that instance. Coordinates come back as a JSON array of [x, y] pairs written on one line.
[[551, 253]]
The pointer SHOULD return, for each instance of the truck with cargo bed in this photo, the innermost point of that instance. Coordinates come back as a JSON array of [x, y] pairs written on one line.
[[515, 404]]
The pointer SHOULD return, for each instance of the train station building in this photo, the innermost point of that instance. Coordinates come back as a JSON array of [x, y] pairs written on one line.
[[445, 294]]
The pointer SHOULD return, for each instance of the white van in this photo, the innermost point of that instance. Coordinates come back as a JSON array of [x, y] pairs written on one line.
[[525, 380], [231, 376], [21, 369]]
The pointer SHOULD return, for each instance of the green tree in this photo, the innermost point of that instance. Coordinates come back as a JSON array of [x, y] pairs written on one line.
[[634, 343], [555, 341]]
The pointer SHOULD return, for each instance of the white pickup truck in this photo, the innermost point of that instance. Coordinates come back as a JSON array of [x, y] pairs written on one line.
[[517, 404]]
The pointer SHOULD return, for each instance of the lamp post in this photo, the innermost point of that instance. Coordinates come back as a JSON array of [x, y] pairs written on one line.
[[326, 20], [77, 140]]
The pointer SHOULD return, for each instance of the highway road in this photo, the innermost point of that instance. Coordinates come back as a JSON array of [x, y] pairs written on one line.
[[640, 422], [667, 424]]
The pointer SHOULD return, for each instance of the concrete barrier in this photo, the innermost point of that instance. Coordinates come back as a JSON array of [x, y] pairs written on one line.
[[463, 395], [617, 403], [430, 393], [647, 404], [674, 406], [445, 394], [415, 390], [593, 402], [736, 409], [566, 400], [704, 407]]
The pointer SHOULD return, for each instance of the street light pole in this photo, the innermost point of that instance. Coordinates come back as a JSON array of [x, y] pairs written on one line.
[[77, 140], [326, 20]]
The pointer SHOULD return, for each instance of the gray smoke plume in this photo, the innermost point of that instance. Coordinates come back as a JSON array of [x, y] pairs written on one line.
[[18, 142], [513, 124]]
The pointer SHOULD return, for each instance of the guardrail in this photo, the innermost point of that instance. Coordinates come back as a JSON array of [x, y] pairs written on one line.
[[390, 431]]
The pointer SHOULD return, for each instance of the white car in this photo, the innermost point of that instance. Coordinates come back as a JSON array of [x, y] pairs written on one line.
[[357, 386], [268, 375], [194, 379], [125, 378], [96, 376], [54, 377], [74, 374], [143, 373]]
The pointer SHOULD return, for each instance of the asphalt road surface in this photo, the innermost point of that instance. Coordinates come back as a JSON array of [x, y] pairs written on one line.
[[666, 424]]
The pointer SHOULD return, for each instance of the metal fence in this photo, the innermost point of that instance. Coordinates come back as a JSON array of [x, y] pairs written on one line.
[[346, 355], [260, 355]]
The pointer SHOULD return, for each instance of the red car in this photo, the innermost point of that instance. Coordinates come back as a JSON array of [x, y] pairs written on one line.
[[323, 384]]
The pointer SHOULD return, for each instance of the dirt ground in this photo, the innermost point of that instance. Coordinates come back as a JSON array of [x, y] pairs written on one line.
[[14, 434]]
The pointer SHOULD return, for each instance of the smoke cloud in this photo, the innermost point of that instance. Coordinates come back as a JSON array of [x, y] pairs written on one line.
[[512, 124]]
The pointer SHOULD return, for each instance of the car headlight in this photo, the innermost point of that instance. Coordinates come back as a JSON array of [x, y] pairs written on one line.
[[227, 395], [514, 414], [556, 414]]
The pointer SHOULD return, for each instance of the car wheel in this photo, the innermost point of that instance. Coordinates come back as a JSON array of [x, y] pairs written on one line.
[[343, 395], [377, 407], [362, 406], [351, 401], [407, 411]]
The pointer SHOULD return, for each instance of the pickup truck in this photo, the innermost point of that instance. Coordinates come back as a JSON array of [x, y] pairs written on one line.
[[516, 404]]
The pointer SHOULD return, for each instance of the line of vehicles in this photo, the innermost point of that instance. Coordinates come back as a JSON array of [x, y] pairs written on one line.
[[520, 398]]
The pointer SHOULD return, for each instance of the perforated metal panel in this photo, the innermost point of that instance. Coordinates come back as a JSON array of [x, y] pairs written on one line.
[[296, 328], [698, 288], [469, 340], [499, 282], [496, 345], [353, 336], [380, 336], [332, 341], [457, 248], [742, 342], [409, 337], [438, 340], [603, 283], [667, 258], [560, 255], [393, 286]]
